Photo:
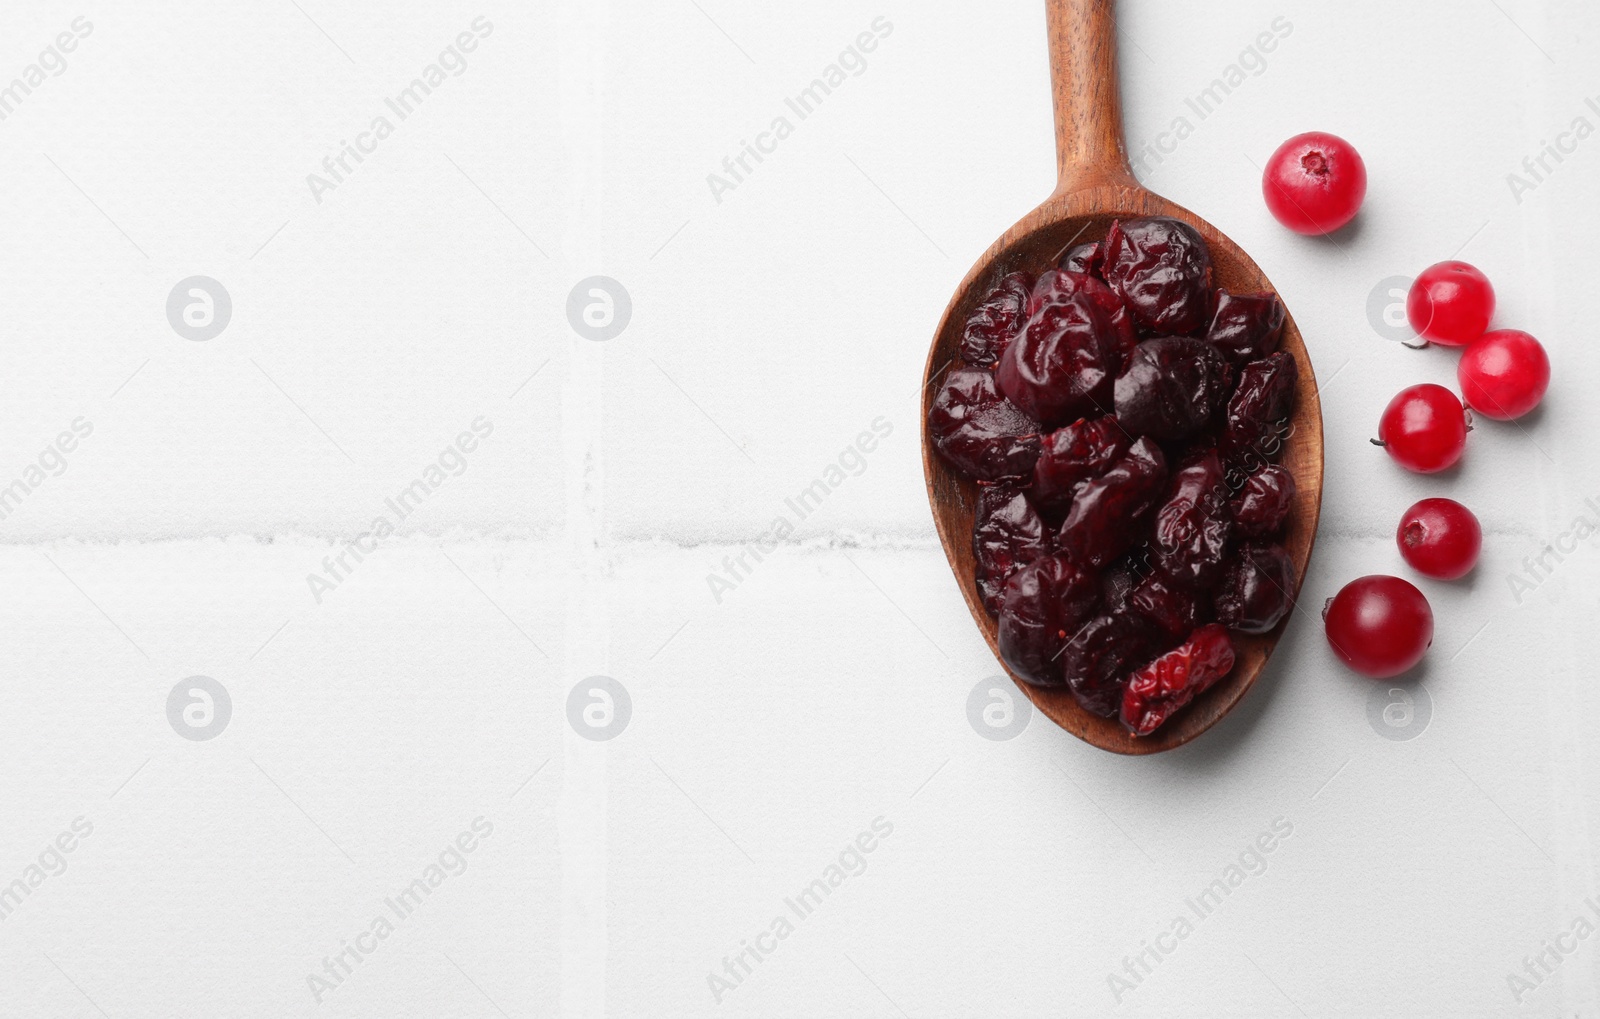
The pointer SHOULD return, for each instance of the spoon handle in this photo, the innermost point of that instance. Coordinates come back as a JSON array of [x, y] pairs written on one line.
[[1090, 150]]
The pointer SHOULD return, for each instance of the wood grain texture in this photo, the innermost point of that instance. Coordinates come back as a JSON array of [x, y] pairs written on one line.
[[1095, 188]]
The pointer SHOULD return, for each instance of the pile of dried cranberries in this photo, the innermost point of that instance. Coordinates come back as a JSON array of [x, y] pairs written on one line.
[[1123, 418]]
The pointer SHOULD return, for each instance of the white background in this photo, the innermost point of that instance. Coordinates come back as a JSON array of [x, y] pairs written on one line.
[[830, 688]]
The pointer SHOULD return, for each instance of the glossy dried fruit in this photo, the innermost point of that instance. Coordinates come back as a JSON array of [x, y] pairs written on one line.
[[1102, 523], [1161, 269], [1157, 691], [1162, 602], [996, 322], [1192, 527], [1099, 657], [1255, 590], [1258, 414], [978, 430], [1073, 456], [1062, 366], [1056, 286], [1007, 534], [1087, 258], [1262, 505], [1171, 387], [1247, 327], [1042, 605]]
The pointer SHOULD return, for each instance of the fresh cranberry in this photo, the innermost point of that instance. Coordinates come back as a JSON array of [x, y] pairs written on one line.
[[1088, 258], [1171, 388], [1450, 304], [1379, 626], [1007, 534], [1063, 365], [1424, 428], [1247, 327], [1101, 654], [1161, 269], [1101, 524], [1072, 456], [1258, 413], [1192, 527], [1256, 589], [1043, 604], [1262, 505], [996, 322], [1315, 183], [1504, 374], [1156, 692], [1440, 538], [979, 431]]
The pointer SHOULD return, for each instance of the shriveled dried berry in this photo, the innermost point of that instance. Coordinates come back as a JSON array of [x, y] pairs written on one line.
[[1086, 258], [1255, 590], [1161, 269], [1247, 327], [1072, 456], [996, 322], [1192, 527], [1262, 504], [1102, 522], [979, 431], [1056, 285], [1007, 534], [1159, 690], [1043, 604], [1119, 581], [1162, 602], [1062, 366], [1171, 387], [1258, 414], [1101, 654]]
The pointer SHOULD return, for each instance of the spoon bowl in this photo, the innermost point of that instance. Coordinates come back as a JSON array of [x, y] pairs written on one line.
[[1096, 187]]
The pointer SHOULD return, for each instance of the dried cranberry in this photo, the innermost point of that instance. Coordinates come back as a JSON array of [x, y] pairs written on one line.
[[1100, 655], [1101, 524], [1119, 581], [1258, 414], [996, 322], [1072, 456], [1156, 692], [1262, 505], [1247, 327], [1171, 387], [1256, 583], [1062, 366], [1192, 527], [979, 431], [1161, 269], [1057, 285], [1165, 604], [1087, 258], [1007, 534], [1042, 605]]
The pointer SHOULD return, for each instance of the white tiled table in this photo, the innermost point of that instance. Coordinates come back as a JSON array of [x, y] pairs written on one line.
[[824, 697]]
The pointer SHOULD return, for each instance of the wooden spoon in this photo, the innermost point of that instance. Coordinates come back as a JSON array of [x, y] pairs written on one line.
[[1096, 186]]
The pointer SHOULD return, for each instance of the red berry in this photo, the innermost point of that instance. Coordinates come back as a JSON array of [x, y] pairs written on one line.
[[1424, 428], [1504, 374], [1315, 183], [1450, 304], [1159, 689], [1440, 538], [1379, 626]]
